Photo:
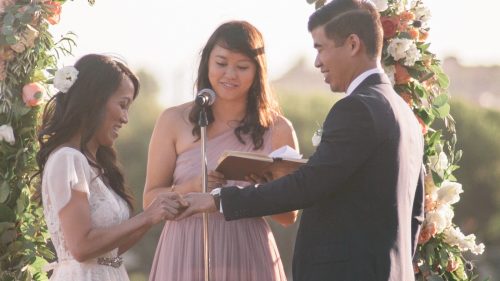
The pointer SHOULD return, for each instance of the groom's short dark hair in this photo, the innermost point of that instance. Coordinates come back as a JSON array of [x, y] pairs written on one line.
[[342, 18], [329, 11]]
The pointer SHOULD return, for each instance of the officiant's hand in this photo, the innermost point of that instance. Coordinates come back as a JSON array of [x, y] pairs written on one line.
[[275, 173], [256, 179], [198, 203], [215, 179]]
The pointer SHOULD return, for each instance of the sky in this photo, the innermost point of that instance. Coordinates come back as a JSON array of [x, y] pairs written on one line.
[[165, 37]]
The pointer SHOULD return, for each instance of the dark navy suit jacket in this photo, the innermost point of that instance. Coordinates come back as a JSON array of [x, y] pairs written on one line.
[[361, 191]]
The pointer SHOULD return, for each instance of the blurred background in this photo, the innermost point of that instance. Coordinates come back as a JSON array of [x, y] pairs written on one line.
[[162, 40]]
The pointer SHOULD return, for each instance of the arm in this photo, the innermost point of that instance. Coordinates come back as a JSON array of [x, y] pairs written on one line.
[[348, 139], [284, 134], [162, 155], [85, 242]]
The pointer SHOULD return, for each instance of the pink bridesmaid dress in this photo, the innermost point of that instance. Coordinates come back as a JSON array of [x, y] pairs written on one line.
[[242, 250]]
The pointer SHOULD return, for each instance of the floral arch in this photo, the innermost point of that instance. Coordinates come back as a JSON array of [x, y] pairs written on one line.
[[28, 58]]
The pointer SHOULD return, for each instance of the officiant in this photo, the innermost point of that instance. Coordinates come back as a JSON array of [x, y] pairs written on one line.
[[244, 117]]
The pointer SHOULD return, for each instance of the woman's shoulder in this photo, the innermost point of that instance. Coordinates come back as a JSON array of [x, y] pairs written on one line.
[[67, 157], [176, 114], [67, 152], [282, 125]]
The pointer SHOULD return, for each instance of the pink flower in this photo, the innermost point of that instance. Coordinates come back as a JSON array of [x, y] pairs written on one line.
[[33, 94]]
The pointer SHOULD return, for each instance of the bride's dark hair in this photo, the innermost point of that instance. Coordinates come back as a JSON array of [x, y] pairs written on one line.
[[262, 108], [81, 110]]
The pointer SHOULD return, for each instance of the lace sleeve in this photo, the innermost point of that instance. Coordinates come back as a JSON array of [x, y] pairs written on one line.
[[66, 170]]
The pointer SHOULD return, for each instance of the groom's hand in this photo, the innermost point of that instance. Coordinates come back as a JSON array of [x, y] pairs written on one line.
[[198, 203]]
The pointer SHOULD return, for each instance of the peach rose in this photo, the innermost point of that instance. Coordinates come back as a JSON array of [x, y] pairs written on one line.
[[422, 35], [32, 94], [390, 25], [413, 32], [55, 12], [401, 76], [430, 187], [422, 124], [407, 16], [430, 202], [426, 233]]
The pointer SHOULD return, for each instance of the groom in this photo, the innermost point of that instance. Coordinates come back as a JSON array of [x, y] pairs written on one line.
[[362, 190]]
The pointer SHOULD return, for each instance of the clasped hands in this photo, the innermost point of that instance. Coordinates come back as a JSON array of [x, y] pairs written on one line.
[[175, 206]]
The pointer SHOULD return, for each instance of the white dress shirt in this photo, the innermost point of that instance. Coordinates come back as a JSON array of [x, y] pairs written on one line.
[[355, 83]]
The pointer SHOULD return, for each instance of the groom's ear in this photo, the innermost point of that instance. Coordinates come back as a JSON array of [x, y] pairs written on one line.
[[354, 43]]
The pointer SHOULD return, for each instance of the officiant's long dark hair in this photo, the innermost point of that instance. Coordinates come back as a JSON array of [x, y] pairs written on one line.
[[262, 108], [81, 110]]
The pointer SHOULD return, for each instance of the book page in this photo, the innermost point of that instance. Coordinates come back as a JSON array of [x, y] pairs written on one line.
[[285, 152]]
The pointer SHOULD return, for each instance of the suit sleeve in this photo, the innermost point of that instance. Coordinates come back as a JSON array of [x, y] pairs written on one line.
[[349, 137], [418, 211]]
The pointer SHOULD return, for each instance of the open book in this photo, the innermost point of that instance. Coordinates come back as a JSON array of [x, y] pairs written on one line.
[[236, 165]]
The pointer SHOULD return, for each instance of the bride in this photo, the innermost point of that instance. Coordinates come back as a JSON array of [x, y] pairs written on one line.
[[85, 203]]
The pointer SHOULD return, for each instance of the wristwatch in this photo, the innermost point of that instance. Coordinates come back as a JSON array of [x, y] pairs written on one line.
[[216, 196]]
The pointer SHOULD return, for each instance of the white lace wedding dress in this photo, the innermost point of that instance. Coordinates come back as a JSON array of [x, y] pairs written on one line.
[[67, 169]]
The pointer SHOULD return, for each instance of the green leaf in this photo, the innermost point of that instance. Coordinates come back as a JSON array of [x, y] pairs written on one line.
[[4, 191], [443, 80], [6, 213], [435, 278], [10, 39], [6, 225], [8, 236], [458, 155], [440, 100], [443, 111], [8, 30], [9, 19]]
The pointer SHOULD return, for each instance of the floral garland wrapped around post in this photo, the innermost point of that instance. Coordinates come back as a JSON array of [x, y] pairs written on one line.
[[418, 77], [27, 55]]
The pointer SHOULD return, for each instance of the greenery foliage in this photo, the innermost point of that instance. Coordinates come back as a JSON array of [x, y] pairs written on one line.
[[28, 57]]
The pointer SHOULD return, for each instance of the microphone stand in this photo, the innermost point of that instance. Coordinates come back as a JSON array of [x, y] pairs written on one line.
[[203, 123]]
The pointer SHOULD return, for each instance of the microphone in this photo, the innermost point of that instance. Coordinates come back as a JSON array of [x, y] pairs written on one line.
[[205, 97]]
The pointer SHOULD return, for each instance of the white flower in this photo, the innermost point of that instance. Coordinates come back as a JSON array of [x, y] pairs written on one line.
[[439, 163], [7, 134], [449, 192], [316, 138], [412, 55], [402, 48], [381, 5], [455, 237], [390, 70], [441, 217], [65, 78], [400, 6], [422, 13]]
